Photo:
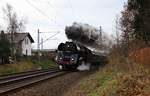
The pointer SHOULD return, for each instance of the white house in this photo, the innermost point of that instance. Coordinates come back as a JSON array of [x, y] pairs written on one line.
[[23, 44]]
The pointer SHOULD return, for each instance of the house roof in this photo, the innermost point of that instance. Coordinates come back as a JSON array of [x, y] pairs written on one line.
[[21, 36]]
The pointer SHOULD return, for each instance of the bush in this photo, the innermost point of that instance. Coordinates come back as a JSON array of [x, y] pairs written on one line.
[[141, 56], [44, 64], [134, 84], [132, 72]]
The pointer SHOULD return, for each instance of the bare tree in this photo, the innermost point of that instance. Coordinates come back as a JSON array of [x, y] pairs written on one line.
[[118, 29], [14, 25]]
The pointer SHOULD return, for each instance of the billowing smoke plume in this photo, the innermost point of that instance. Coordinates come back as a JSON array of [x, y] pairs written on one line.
[[83, 33], [84, 66]]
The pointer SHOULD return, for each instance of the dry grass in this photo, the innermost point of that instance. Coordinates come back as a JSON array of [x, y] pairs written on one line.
[[141, 56], [134, 78], [15, 68], [135, 82], [25, 65], [121, 77], [98, 84]]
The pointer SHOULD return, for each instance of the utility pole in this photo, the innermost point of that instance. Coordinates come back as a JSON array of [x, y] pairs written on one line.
[[100, 36], [100, 31], [42, 44], [38, 46], [38, 40]]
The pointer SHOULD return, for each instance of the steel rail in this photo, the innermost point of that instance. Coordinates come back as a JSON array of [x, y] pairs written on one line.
[[6, 77], [13, 83]]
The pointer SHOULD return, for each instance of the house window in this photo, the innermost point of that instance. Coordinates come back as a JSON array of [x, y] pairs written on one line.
[[26, 52], [26, 41]]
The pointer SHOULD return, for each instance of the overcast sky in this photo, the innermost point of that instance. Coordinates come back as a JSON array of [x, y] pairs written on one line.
[[54, 15]]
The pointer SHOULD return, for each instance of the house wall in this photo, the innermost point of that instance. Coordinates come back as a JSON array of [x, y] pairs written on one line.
[[18, 48], [26, 46]]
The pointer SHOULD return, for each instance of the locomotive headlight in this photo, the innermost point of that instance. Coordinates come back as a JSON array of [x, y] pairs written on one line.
[[60, 58], [72, 59]]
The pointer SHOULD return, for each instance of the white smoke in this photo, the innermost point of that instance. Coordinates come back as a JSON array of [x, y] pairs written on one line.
[[84, 66]]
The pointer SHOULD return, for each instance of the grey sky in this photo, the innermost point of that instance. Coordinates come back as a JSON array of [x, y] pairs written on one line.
[[54, 15]]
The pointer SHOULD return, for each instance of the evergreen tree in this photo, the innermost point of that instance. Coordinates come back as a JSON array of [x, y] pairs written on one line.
[[135, 20], [4, 48]]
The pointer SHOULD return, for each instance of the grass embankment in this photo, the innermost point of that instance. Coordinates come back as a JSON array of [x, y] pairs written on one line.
[[25, 65], [99, 83], [44, 64], [111, 82], [120, 77]]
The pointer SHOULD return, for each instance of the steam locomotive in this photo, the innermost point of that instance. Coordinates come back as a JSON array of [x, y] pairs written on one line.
[[70, 55]]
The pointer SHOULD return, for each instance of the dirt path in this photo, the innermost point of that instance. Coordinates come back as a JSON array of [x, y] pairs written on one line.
[[54, 87]]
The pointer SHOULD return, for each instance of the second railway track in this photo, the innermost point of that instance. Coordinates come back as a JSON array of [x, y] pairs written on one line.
[[12, 82]]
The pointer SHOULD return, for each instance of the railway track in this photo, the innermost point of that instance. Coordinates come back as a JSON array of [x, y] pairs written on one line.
[[13, 82]]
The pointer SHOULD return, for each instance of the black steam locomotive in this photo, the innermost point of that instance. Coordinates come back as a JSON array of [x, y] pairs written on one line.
[[70, 55]]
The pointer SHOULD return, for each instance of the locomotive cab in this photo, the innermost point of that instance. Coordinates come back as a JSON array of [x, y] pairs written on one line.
[[67, 56], [67, 59]]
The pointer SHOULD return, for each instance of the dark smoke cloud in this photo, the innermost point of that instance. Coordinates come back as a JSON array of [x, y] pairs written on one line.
[[82, 33]]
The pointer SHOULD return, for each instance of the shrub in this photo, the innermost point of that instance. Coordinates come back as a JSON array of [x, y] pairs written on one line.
[[134, 82], [141, 56]]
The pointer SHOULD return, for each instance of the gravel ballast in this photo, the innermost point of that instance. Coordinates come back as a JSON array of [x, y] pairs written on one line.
[[52, 87]]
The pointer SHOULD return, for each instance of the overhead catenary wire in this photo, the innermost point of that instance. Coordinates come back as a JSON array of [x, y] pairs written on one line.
[[51, 5], [73, 12], [69, 2], [50, 32], [49, 38], [48, 2], [40, 11]]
